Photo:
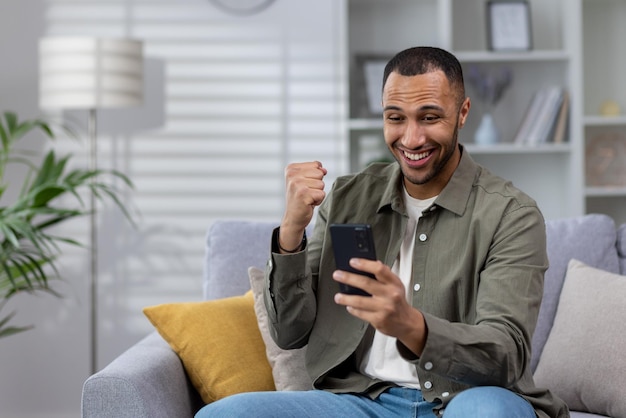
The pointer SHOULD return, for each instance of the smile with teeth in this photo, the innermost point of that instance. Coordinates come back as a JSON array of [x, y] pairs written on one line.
[[416, 157]]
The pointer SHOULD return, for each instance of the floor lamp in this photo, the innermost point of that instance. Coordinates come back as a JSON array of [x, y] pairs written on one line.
[[90, 73]]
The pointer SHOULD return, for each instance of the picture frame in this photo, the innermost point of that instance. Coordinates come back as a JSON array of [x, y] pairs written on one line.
[[509, 25], [605, 158], [368, 72]]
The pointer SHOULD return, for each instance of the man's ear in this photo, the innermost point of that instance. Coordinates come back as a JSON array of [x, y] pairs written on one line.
[[464, 111]]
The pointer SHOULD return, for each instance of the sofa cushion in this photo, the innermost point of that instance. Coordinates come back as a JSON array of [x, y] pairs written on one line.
[[578, 414], [288, 366], [583, 360], [231, 247], [218, 342], [590, 239]]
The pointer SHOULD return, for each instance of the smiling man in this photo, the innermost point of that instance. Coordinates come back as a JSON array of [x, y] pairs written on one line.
[[459, 279]]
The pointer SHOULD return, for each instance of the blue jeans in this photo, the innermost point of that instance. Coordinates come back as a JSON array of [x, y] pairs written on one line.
[[478, 402]]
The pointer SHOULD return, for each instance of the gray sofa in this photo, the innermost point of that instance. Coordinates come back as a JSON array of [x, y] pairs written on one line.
[[148, 380]]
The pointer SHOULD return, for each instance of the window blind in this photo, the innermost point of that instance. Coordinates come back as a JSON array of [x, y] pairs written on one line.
[[230, 100]]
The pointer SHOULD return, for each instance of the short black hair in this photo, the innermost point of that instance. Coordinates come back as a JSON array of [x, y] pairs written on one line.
[[425, 59]]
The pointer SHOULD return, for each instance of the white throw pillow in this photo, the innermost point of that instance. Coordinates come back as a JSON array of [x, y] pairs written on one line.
[[288, 366]]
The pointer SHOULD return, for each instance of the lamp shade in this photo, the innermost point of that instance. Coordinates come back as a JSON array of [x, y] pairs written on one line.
[[90, 73]]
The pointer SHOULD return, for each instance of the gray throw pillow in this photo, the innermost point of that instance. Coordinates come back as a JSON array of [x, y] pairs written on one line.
[[583, 361]]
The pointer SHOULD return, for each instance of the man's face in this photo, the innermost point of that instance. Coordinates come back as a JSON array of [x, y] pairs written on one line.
[[421, 123]]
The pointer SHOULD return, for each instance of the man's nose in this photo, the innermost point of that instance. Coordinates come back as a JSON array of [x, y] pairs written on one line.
[[414, 136]]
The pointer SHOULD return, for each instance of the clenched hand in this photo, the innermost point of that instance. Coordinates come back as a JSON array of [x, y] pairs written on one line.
[[305, 191]]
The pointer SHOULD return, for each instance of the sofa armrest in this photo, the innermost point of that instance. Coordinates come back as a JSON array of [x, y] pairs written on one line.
[[148, 380]]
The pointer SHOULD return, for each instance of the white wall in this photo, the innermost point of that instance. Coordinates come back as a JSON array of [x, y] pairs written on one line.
[[225, 109], [41, 370], [21, 25]]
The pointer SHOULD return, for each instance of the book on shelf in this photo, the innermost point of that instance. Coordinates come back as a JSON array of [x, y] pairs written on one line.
[[531, 114], [560, 126], [541, 119]]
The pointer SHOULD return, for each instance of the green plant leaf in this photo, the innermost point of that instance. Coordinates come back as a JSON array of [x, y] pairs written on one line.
[[59, 216], [45, 171], [48, 193], [24, 272], [11, 120], [45, 127], [22, 129], [11, 279], [9, 235], [5, 331], [4, 137]]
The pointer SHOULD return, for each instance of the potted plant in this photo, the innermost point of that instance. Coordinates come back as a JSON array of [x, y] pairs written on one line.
[[28, 248]]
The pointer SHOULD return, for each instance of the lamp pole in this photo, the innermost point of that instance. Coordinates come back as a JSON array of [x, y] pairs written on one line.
[[93, 282]]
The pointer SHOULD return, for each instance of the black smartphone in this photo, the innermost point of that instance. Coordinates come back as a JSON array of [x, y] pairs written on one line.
[[352, 241]]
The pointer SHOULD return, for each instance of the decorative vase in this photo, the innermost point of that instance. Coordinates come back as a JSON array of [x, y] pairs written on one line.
[[487, 133]]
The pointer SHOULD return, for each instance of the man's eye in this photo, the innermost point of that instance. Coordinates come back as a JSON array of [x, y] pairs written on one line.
[[394, 118], [430, 118]]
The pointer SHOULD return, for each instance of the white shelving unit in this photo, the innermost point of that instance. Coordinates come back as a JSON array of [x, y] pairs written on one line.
[[604, 66], [550, 173]]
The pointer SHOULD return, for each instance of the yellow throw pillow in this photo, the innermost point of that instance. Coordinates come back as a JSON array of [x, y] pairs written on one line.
[[219, 343]]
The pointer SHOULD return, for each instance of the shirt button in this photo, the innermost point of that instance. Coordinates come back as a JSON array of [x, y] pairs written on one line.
[[428, 366], [417, 287], [428, 385], [445, 394], [423, 237]]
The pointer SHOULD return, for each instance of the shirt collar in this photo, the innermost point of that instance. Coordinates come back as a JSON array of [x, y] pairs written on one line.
[[453, 197], [392, 194], [457, 192]]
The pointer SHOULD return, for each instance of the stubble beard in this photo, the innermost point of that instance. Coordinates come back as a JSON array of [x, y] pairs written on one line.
[[437, 168]]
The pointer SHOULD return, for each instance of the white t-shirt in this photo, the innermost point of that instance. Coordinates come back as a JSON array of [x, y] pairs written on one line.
[[382, 360]]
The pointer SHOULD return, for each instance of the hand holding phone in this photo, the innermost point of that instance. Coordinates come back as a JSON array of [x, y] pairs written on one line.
[[352, 241]]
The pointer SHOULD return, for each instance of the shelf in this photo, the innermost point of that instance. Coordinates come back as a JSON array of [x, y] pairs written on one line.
[[606, 191], [488, 56], [604, 120]]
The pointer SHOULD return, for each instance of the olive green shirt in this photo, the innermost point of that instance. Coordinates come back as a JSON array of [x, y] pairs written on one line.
[[479, 260]]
